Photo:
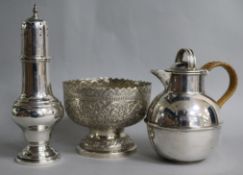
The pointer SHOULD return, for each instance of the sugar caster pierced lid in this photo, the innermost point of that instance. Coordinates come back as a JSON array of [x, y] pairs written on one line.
[[183, 122], [34, 37]]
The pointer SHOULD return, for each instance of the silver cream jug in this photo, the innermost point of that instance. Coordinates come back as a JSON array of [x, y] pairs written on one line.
[[183, 122]]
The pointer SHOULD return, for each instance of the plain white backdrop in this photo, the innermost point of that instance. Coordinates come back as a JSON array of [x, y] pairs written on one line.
[[125, 39]]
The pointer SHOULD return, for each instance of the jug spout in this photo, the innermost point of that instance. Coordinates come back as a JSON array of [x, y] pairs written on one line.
[[163, 76]]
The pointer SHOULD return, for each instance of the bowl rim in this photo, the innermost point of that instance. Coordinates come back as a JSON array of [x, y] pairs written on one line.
[[106, 83]]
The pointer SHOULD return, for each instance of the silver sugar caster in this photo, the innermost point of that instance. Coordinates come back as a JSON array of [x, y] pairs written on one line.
[[36, 111]]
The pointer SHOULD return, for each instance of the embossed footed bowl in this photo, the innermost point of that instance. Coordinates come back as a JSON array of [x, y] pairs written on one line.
[[106, 106]]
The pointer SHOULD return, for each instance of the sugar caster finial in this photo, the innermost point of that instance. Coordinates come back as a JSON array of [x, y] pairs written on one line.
[[35, 11]]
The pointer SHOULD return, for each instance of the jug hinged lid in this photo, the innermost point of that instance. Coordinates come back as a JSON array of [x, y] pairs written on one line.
[[185, 63]]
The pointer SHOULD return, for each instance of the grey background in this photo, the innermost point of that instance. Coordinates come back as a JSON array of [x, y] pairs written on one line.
[[124, 38]]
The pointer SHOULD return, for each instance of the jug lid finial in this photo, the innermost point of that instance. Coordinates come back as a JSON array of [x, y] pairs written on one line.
[[185, 62]]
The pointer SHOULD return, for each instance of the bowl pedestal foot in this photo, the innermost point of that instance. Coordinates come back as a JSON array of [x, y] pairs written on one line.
[[108, 143]]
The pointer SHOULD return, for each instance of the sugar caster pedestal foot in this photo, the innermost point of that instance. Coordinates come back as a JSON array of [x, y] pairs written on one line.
[[39, 154]]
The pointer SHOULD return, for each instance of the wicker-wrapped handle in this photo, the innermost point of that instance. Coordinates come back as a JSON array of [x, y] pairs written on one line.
[[233, 79]]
